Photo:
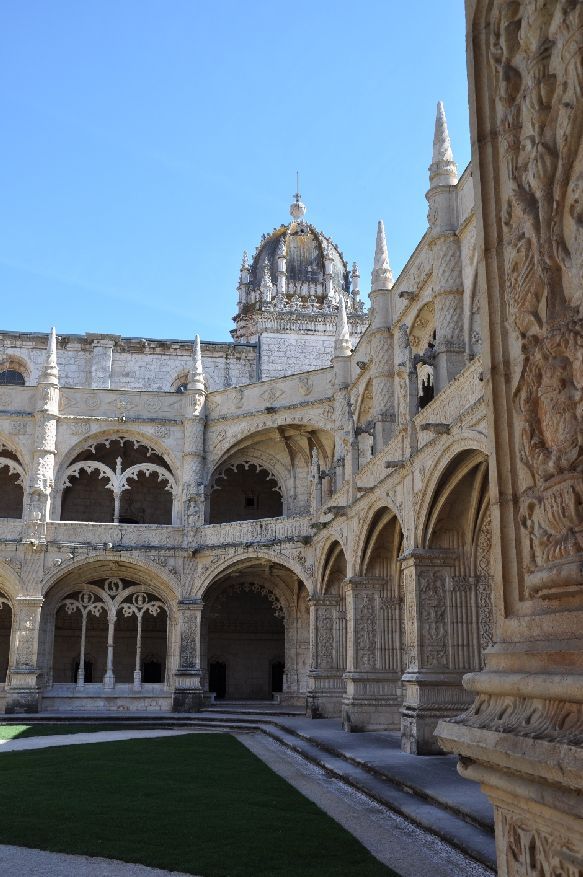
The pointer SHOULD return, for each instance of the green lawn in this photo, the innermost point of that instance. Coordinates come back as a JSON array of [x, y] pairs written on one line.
[[202, 804], [16, 732]]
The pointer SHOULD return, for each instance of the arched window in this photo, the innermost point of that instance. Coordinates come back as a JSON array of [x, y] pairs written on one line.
[[11, 376], [120, 480]]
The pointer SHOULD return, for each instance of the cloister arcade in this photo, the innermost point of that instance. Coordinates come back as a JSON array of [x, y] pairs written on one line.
[[269, 473], [117, 480]]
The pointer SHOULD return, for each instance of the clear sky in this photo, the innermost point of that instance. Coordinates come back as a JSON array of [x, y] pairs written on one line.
[[146, 143]]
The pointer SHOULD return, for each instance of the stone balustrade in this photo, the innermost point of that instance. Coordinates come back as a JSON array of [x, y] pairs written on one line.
[[135, 535], [264, 530]]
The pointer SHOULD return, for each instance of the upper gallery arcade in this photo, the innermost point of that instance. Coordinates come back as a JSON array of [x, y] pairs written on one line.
[[302, 512]]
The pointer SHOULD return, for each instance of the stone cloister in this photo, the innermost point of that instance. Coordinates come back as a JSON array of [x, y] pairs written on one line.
[[300, 515]]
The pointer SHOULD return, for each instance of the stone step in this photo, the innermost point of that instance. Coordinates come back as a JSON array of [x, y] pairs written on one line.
[[455, 829]]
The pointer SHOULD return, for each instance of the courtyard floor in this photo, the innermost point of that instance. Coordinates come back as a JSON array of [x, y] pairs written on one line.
[[283, 837]]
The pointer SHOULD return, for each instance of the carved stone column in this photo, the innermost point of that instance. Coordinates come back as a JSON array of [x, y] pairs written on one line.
[[433, 688], [373, 678], [327, 657], [194, 416], [23, 694], [522, 738], [188, 694]]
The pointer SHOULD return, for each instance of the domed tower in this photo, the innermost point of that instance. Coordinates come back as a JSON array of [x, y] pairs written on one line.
[[289, 297]]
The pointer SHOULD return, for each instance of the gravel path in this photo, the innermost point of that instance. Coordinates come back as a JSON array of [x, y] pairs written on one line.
[[23, 743], [22, 862]]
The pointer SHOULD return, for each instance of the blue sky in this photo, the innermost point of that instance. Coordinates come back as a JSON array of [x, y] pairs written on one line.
[[146, 144]]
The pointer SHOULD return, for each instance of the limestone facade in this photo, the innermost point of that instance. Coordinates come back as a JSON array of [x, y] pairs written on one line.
[[302, 513]]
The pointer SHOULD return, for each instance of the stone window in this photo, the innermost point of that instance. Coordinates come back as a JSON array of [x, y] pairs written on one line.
[[120, 481], [245, 492], [11, 376]]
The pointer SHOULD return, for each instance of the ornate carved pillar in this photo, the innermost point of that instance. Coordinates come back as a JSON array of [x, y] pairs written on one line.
[[448, 286], [188, 694], [372, 677], [432, 682], [522, 736], [194, 414], [382, 345], [327, 657], [23, 690]]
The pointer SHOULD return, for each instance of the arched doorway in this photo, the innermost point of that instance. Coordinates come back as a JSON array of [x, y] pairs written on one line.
[[255, 634], [245, 631]]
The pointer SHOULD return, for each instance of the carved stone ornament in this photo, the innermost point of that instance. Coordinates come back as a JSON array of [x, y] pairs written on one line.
[[537, 51]]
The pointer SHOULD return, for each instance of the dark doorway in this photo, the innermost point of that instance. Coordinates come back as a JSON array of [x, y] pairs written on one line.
[[218, 678], [88, 671], [152, 671], [277, 669]]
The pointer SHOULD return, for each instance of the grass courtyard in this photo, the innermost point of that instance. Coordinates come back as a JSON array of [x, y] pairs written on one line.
[[198, 803]]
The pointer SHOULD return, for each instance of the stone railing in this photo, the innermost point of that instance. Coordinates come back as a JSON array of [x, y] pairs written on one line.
[[460, 394], [10, 529], [263, 530], [116, 535]]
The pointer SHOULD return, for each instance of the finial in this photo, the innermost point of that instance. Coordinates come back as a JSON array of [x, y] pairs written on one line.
[[382, 276], [244, 262], [443, 169], [297, 209], [196, 376], [342, 340], [50, 372]]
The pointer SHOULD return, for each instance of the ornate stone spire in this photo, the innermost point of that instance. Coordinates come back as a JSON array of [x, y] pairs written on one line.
[[196, 376], [50, 372], [382, 276], [443, 169], [342, 340]]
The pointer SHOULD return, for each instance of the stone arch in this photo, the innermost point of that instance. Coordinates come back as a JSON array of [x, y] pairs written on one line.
[[13, 479], [16, 363], [90, 489], [270, 478], [252, 618], [334, 568], [448, 451], [112, 434], [88, 575], [363, 533], [224, 441], [244, 561], [451, 475]]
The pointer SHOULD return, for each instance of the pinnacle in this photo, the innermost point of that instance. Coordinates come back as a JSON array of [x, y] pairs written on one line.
[[196, 377], [382, 276], [443, 169], [50, 372]]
